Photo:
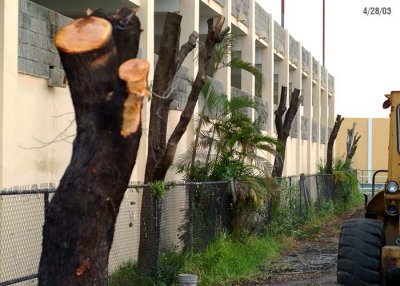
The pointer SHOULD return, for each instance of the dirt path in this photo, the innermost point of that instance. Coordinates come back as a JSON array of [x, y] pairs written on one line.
[[311, 261]]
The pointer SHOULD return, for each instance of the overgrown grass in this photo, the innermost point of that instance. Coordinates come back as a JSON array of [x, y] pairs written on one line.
[[230, 259], [225, 260]]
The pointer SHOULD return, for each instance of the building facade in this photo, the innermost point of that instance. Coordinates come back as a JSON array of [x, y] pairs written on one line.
[[37, 118], [37, 123]]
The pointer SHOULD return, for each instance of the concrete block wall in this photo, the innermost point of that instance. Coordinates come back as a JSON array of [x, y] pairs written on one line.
[[323, 76], [331, 83], [315, 131], [293, 50], [315, 69], [265, 125], [238, 92], [293, 129], [37, 26], [323, 138], [241, 6], [305, 59], [218, 87], [279, 38], [262, 22], [221, 2], [182, 89]]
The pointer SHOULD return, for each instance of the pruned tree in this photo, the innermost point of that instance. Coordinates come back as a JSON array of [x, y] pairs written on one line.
[[107, 86], [351, 143], [331, 141], [283, 121], [162, 150]]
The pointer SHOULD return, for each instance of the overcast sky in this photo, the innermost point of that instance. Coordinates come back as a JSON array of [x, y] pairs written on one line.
[[362, 52]]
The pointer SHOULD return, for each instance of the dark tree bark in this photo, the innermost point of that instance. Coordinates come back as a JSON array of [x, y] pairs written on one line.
[[283, 126], [161, 152], [351, 143], [107, 92], [331, 141]]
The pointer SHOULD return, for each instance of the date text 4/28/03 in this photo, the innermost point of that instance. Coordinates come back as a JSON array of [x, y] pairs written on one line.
[[377, 11]]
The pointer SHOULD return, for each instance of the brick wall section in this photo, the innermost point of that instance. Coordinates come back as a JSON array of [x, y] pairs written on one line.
[[293, 50], [304, 128], [262, 22], [315, 69], [305, 60], [279, 38], [241, 6], [314, 131], [37, 26], [221, 2]]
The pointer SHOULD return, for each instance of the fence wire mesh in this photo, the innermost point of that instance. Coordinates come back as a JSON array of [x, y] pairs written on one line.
[[190, 216]]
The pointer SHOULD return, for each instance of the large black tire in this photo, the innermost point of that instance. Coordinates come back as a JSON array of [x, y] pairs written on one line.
[[359, 255]]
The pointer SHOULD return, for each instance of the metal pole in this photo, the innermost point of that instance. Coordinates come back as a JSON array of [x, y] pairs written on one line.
[[283, 13], [323, 33]]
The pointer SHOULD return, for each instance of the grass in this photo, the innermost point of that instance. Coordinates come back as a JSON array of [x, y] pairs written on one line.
[[226, 260], [230, 259]]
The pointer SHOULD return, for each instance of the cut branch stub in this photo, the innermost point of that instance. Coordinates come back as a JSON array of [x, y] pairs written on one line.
[[135, 73], [84, 35]]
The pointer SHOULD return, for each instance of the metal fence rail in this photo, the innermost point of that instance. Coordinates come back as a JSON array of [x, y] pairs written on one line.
[[191, 215]]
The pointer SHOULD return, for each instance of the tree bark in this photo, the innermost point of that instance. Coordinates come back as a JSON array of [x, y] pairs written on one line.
[[161, 154], [331, 141], [107, 98], [283, 126]]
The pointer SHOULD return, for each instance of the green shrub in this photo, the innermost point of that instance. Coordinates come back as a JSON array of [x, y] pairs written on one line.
[[346, 184]]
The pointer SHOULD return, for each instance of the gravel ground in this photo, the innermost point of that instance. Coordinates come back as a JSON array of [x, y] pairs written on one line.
[[310, 262]]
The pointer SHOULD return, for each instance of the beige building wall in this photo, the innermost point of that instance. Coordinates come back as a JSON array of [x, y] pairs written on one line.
[[380, 143]]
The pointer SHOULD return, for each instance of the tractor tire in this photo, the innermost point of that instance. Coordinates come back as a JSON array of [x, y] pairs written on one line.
[[359, 254]]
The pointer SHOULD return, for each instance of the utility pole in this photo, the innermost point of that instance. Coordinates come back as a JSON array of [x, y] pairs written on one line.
[[283, 13]]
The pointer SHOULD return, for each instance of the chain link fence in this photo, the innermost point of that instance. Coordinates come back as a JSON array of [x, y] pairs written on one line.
[[191, 215]]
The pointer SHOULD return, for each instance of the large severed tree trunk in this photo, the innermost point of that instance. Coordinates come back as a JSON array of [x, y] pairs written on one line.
[[331, 141], [107, 91], [283, 126], [161, 152]]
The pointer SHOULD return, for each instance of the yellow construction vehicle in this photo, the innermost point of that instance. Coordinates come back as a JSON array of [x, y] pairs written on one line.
[[369, 248]]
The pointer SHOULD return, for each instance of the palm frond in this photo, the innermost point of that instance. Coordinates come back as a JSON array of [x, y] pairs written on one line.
[[222, 51], [236, 62]]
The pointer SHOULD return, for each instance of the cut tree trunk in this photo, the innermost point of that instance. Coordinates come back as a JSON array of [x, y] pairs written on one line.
[[331, 141], [283, 126], [107, 92], [351, 143], [161, 152]]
